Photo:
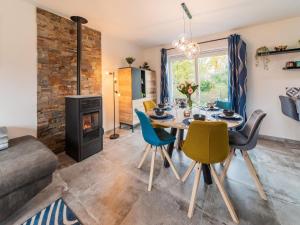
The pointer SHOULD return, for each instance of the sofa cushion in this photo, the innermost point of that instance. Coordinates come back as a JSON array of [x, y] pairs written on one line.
[[25, 161]]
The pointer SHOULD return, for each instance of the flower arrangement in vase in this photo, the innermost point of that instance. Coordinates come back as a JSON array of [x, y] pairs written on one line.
[[188, 89]]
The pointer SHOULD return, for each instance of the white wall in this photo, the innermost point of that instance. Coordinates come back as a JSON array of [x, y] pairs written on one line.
[[18, 67], [264, 87], [114, 52]]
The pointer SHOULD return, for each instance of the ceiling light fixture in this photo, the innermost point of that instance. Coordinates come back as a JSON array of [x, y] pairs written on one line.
[[185, 42]]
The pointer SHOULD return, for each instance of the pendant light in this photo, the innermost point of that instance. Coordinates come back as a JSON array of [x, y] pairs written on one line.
[[185, 43]]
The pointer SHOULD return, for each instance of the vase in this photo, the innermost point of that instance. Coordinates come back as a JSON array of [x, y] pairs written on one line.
[[189, 101]]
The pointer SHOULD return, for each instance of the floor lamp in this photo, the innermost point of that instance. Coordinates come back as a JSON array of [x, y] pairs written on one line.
[[114, 135]]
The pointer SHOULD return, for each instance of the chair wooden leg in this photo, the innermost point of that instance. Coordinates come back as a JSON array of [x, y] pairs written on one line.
[[253, 174], [226, 166], [151, 169], [147, 150], [194, 190], [188, 172], [224, 195], [171, 163], [161, 153]]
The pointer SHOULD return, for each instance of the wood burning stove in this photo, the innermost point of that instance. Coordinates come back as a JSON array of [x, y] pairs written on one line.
[[84, 132]]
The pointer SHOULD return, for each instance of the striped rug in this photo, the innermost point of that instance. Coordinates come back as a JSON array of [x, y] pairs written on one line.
[[58, 213]]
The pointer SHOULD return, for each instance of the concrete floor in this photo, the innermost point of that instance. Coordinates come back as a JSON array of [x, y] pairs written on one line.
[[108, 189]]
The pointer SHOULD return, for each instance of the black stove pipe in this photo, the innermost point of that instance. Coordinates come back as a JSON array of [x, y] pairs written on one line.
[[79, 21]]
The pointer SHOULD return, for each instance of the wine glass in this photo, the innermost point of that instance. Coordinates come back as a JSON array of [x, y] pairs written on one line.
[[166, 100]]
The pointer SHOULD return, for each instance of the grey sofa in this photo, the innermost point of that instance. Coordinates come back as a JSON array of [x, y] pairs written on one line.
[[26, 168]]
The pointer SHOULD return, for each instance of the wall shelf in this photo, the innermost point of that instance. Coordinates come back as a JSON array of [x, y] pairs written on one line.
[[291, 50], [291, 68]]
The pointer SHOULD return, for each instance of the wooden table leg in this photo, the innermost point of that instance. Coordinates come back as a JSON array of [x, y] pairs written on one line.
[[206, 174], [170, 147], [181, 134]]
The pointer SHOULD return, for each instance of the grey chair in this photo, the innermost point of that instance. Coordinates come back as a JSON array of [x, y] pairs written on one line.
[[289, 107], [245, 140]]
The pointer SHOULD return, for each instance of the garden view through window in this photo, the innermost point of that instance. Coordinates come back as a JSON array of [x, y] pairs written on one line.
[[209, 71]]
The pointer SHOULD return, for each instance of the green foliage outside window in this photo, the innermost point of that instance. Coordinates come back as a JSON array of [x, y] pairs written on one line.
[[213, 77], [206, 85]]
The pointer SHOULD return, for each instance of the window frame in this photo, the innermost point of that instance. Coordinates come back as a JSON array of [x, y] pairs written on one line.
[[203, 54]]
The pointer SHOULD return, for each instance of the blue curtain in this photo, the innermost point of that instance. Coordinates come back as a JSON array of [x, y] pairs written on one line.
[[237, 74], [164, 87]]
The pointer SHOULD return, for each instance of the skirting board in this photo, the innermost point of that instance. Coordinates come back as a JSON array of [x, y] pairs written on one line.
[[107, 132], [293, 143]]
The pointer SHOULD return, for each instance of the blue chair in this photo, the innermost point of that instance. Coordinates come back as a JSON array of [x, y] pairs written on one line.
[[157, 138], [224, 104]]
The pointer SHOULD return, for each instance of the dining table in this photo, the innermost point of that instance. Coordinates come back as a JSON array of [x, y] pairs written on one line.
[[178, 121]]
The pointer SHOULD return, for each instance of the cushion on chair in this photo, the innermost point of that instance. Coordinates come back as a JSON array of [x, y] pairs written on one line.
[[25, 161], [237, 139]]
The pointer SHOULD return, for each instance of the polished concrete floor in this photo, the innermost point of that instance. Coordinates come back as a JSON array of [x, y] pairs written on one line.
[[108, 189]]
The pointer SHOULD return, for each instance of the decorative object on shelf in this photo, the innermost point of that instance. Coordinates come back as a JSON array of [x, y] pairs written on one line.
[[293, 92], [145, 66], [185, 41], [264, 53], [290, 64], [188, 89], [280, 47], [114, 135], [130, 60]]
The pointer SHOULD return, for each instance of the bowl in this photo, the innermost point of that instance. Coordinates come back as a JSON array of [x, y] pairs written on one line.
[[182, 105], [196, 116], [228, 112], [280, 47], [161, 105], [211, 105], [199, 117], [159, 111]]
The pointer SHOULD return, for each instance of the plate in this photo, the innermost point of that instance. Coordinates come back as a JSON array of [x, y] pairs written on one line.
[[211, 109], [234, 117], [162, 117]]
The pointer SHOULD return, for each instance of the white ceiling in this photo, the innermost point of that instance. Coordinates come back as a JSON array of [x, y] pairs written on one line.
[[154, 22]]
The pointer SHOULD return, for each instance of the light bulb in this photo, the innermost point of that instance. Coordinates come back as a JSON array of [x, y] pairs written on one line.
[[175, 43]]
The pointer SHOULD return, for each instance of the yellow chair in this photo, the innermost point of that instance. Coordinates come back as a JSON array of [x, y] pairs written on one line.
[[207, 143], [149, 106]]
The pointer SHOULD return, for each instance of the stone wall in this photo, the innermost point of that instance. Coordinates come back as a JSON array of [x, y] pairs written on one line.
[[56, 44]]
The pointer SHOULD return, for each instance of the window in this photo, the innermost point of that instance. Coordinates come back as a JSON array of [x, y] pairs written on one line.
[[210, 71], [182, 70]]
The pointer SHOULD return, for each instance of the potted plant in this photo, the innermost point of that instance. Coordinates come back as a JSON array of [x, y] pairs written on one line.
[[130, 60], [263, 52], [188, 89], [145, 66]]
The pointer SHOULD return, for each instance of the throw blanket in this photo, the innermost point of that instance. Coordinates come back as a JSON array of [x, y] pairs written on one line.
[[297, 102], [3, 132], [3, 138]]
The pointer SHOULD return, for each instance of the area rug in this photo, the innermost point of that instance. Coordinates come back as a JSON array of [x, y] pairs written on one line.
[[57, 213]]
